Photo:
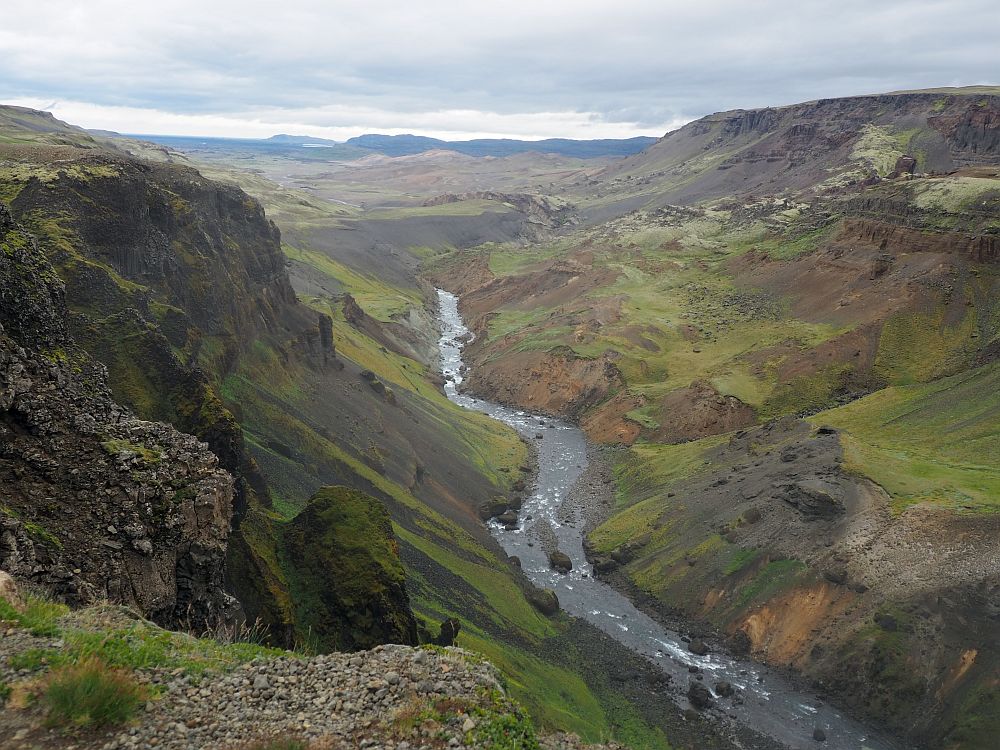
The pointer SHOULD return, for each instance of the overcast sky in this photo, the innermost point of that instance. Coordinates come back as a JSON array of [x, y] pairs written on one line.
[[574, 68]]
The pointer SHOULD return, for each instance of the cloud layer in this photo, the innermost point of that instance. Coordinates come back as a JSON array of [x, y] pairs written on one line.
[[459, 69]]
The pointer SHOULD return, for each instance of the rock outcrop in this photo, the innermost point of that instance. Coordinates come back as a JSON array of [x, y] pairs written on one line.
[[97, 504], [349, 587]]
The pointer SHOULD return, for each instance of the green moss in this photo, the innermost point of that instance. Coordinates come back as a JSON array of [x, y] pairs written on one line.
[[917, 347], [117, 447], [346, 579], [977, 718], [41, 534], [741, 559], [807, 392]]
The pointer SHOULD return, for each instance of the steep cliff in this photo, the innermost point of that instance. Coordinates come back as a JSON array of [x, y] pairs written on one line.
[[171, 280], [97, 504]]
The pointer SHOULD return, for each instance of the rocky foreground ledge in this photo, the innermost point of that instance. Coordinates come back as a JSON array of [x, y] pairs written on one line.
[[202, 694]]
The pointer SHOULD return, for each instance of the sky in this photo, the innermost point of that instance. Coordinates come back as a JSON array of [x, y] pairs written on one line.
[[545, 68]]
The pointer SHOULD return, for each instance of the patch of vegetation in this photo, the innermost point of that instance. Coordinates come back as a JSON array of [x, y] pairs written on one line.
[[977, 718], [39, 615], [90, 694], [806, 393], [917, 347], [117, 447], [128, 644], [377, 298], [937, 442], [277, 743], [771, 578], [878, 147], [741, 558]]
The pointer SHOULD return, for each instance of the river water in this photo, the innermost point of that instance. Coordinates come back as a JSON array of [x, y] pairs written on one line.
[[770, 704]]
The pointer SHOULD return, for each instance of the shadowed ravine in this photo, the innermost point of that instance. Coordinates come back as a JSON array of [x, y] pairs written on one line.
[[770, 704]]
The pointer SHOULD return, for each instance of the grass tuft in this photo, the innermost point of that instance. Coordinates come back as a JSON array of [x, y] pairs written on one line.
[[90, 695]]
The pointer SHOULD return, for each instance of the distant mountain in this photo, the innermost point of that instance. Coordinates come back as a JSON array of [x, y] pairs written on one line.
[[405, 145], [301, 140]]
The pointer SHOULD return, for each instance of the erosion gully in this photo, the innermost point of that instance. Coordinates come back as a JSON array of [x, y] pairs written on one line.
[[768, 703]]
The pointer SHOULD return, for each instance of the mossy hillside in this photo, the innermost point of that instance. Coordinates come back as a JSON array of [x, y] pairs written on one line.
[[379, 299], [934, 442], [680, 315], [919, 346], [347, 582]]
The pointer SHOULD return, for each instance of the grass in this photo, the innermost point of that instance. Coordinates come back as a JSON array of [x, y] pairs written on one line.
[[921, 346], [116, 447], [380, 300], [39, 615], [774, 576], [935, 442], [135, 645], [91, 695]]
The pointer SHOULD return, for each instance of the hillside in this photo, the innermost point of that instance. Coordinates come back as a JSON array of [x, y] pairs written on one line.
[[784, 315]]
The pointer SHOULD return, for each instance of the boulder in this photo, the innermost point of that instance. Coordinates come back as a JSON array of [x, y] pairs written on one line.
[[812, 500], [698, 646], [699, 695], [560, 562], [8, 590], [508, 518], [604, 564], [622, 554], [449, 632], [739, 643], [819, 734], [724, 689], [492, 508], [544, 600]]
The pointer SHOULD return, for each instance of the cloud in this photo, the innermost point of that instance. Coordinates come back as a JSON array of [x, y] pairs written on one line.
[[585, 68]]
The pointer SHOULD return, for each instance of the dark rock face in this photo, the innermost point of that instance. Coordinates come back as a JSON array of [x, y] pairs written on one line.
[[349, 586], [448, 633], [169, 228], [493, 508], [811, 499], [96, 503]]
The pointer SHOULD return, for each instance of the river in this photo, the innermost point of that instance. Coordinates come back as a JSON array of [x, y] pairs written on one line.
[[771, 705]]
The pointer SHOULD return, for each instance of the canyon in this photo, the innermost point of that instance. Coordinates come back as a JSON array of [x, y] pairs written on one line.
[[746, 381]]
